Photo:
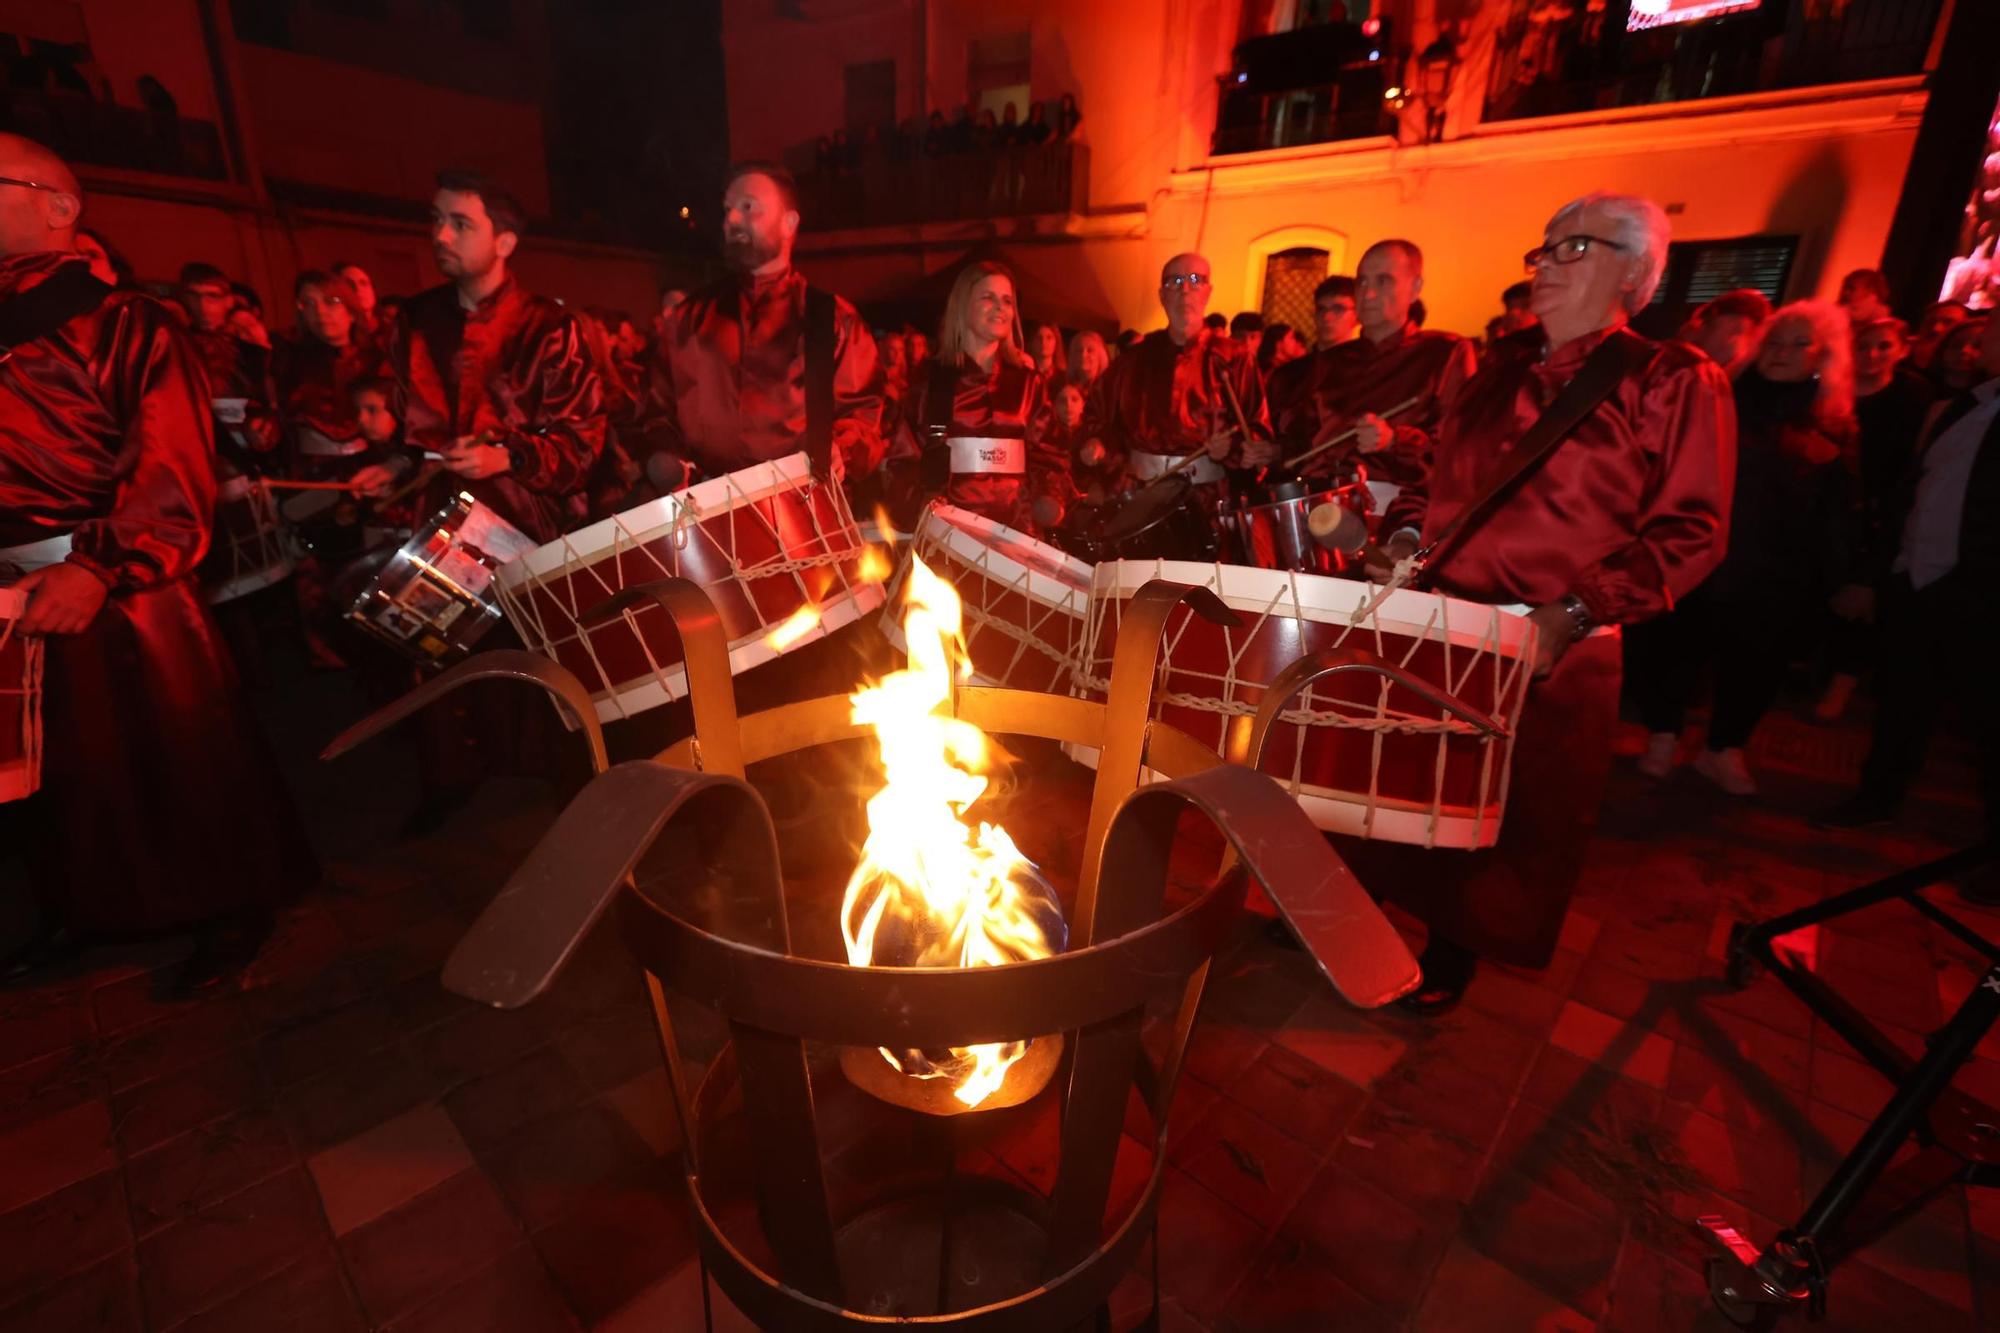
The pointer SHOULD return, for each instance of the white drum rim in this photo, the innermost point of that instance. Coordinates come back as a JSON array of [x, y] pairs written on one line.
[[644, 523], [745, 654], [234, 488], [13, 603], [958, 530], [242, 585], [1256, 591]]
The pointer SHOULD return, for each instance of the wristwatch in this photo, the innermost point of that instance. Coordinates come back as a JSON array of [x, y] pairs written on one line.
[[1579, 613]]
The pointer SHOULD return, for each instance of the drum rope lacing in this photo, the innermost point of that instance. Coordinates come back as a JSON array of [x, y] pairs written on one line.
[[1509, 684], [582, 571], [937, 551]]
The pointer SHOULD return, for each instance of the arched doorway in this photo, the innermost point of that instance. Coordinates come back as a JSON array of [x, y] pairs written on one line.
[[1284, 266]]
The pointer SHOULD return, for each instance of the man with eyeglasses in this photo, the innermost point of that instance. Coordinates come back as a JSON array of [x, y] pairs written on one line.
[[1349, 384], [1169, 397], [160, 809], [1627, 514]]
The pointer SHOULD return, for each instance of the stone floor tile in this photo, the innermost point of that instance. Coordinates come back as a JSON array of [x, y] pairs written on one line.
[[1560, 1248], [180, 1177], [1292, 1290], [355, 1097], [1513, 1000], [103, 1298], [1651, 1293], [477, 1042], [513, 1295], [1622, 1045], [1249, 1164], [171, 1043], [1206, 1247], [493, 1106], [310, 1296], [1431, 1172], [54, 1152], [157, 1110], [425, 1247], [1854, 1087], [1368, 1238], [1220, 1050], [387, 1166], [626, 1235], [195, 1263], [646, 1103], [1308, 1102], [1338, 1039], [609, 1047], [550, 1168], [1474, 1294], [42, 1022], [1761, 1172], [675, 1302], [334, 1040], [58, 1234]]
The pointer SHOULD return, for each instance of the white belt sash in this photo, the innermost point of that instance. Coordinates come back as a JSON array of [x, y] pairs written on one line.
[[986, 455], [1145, 467], [314, 444]]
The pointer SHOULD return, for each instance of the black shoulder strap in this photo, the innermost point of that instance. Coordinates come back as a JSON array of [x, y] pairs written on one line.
[[819, 375], [70, 291], [1614, 358], [938, 397]]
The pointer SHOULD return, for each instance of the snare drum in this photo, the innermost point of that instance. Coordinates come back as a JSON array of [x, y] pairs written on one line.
[[1024, 601], [20, 702], [433, 599], [1362, 755], [1269, 529], [249, 551], [777, 551]]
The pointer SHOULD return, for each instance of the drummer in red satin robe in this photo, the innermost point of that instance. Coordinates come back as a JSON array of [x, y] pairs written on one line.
[[1629, 514], [1166, 398], [500, 382], [979, 416], [249, 435], [161, 808], [1350, 384], [730, 384]]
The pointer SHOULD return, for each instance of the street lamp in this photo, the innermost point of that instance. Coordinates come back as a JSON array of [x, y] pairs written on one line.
[[1437, 68]]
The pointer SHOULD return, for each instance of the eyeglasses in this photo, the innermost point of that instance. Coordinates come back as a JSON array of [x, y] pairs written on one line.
[[1193, 282], [1566, 251], [31, 185]]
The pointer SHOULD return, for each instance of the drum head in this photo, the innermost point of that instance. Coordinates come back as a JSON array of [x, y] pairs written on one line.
[[1148, 506]]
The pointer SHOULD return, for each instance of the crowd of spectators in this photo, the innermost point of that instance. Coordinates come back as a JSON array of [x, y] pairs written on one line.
[[975, 129]]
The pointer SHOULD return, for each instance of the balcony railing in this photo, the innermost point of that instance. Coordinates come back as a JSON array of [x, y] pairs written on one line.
[[1008, 182], [99, 134], [1555, 60], [1249, 122]]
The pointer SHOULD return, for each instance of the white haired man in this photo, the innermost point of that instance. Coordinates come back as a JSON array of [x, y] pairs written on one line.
[[1629, 512]]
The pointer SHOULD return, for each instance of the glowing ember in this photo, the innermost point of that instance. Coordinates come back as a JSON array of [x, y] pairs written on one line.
[[931, 889], [794, 627]]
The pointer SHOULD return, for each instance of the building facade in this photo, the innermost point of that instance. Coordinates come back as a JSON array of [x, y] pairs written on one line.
[[268, 137], [1281, 137]]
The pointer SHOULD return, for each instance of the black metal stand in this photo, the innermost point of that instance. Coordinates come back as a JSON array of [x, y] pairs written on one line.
[[1959, 1138]]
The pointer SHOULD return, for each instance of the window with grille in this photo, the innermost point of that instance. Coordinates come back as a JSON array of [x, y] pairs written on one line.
[[1289, 279], [1699, 271]]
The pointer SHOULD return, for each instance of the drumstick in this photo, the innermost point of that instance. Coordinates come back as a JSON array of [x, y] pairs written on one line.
[[1235, 405], [281, 484], [1351, 432]]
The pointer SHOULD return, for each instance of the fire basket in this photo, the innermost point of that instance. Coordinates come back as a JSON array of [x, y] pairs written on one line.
[[794, 1235]]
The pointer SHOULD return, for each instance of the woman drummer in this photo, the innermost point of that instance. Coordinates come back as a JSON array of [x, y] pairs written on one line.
[[980, 412]]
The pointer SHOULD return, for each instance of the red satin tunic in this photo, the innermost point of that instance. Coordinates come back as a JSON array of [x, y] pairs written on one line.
[[519, 368], [314, 384], [1341, 383], [728, 383], [1630, 513], [1163, 398], [1008, 403]]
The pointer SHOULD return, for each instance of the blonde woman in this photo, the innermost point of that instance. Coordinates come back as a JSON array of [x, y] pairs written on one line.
[[980, 412], [1088, 359], [1792, 530]]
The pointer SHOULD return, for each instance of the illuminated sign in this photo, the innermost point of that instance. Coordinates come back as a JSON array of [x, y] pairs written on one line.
[[1659, 13]]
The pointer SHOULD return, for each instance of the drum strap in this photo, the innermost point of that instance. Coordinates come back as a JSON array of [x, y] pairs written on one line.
[[70, 291], [819, 376], [1601, 373]]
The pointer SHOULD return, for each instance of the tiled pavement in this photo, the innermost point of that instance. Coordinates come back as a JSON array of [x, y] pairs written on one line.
[[344, 1146]]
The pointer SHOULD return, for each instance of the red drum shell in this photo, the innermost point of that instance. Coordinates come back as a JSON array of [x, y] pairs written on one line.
[[763, 542], [1440, 786], [20, 702]]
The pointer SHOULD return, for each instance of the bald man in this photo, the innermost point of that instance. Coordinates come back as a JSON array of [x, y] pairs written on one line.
[[1166, 398], [161, 810], [1351, 384]]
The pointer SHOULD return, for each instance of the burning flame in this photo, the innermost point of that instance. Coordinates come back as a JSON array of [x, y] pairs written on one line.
[[794, 627], [873, 566], [931, 890]]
